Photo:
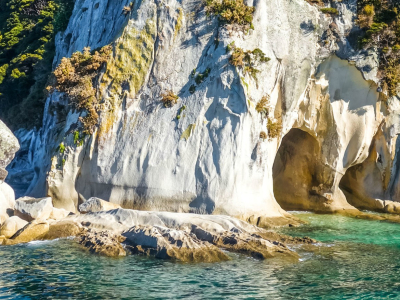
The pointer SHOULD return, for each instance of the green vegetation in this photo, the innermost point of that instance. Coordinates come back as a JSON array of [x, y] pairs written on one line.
[[247, 60], [192, 89], [329, 10], [27, 31], [79, 138], [202, 76], [181, 111], [169, 99], [231, 11], [61, 148], [380, 22], [76, 77], [263, 106]]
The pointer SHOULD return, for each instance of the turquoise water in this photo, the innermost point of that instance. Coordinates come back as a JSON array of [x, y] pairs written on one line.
[[356, 259]]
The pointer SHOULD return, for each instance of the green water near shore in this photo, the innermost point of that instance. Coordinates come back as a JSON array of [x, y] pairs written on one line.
[[356, 259]]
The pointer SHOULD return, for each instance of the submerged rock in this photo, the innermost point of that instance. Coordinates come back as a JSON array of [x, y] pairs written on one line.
[[29, 208], [95, 205]]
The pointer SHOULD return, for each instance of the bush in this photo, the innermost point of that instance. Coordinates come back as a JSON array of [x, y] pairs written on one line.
[[231, 11], [75, 76], [263, 106], [263, 135], [274, 129], [169, 98], [247, 60], [330, 10]]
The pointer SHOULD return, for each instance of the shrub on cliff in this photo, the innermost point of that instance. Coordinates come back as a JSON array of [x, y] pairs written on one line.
[[263, 106], [76, 77], [169, 99], [246, 59], [274, 129], [231, 11]]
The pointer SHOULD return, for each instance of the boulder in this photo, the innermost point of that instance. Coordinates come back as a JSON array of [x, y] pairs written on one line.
[[7, 201], [95, 205], [59, 213], [11, 226], [29, 209], [8, 146], [30, 232]]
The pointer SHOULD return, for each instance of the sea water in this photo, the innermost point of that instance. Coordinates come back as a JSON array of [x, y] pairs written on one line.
[[354, 259]]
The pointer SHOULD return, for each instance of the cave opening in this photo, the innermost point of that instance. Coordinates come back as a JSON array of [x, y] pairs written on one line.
[[297, 172]]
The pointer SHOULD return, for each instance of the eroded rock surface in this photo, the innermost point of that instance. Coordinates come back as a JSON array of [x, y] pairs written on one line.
[[8, 146], [95, 205], [29, 208]]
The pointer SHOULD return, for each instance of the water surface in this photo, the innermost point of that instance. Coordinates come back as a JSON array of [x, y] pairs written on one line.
[[356, 259]]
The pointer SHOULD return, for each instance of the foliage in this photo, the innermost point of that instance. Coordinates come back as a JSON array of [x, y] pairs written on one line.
[[169, 98], [76, 76], [274, 129], [61, 148], [263, 135], [263, 106], [329, 10], [380, 23], [202, 76], [247, 60], [27, 32], [192, 88], [231, 11]]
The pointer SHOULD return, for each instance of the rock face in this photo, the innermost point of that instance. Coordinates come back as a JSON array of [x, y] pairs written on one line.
[[95, 205], [29, 209], [8, 146], [335, 130]]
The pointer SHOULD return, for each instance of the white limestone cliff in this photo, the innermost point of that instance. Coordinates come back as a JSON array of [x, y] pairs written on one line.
[[212, 159]]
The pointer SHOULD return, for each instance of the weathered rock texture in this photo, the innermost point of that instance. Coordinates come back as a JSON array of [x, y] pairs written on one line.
[[186, 237], [95, 205], [29, 209], [8, 146], [211, 159]]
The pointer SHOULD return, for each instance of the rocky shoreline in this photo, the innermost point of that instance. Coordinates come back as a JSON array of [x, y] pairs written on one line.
[[119, 232]]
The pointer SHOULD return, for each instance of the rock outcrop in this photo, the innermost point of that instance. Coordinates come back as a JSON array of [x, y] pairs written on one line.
[[95, 205]]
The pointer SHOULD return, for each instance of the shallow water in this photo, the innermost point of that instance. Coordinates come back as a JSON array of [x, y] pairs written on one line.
[[356, 259]]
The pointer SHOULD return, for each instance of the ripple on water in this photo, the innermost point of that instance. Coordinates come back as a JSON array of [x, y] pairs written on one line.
[[356, 259]]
